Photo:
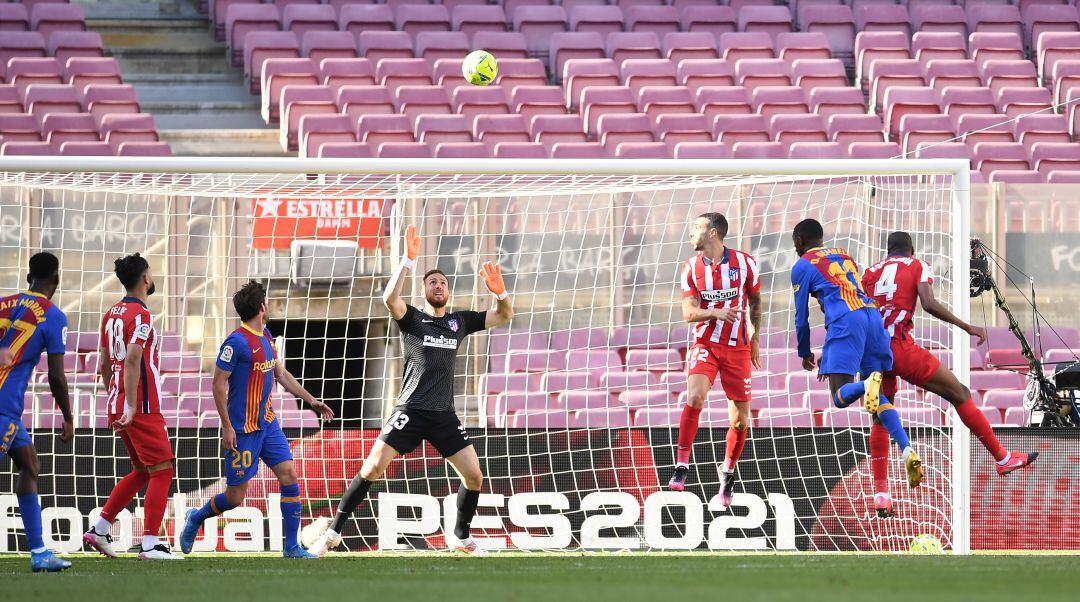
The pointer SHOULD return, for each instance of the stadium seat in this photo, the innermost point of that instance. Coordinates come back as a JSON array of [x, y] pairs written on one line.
[[698, 73], [304, 18], [417, 18], [336, 73], [493, 129], [837, 101], [850, 129], [437, 129], [702, 150], [356, 18], [802, 45], [278, 73], [49, 17], [58, 128], [1047, 157], [638, 73], [836, 22], [565, 46], [883, 17], [520, 150], [421, 100], [674, 129], [711, 19], [1040, 19], [599, 19], [772, 20], [991, 156], [259, 46], [737, 46], [928, 45], [14, 17], [356, 101], [814, 73], [297, 101], [678, 45], [994, 46], [530, 101], [931, 129], [943, 73], [503, 44], [321, 45], [378, 45], [789, 129], [317, 130], [554, 129], [119, 128], [656, 101], [871, 46], [537, 24], [243, 19]]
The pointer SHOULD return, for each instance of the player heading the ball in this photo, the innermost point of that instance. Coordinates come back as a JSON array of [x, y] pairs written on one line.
[[130, 349], [425, 408], [30, 324], [721, 292], [855, 338], [896, 284], [247, 366]]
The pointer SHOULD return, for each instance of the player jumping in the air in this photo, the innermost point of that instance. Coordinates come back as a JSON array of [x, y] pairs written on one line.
[[719, 286], [30, 324], [425, 409], [896, 284], [247, 367], [855, 340], [130, 350]]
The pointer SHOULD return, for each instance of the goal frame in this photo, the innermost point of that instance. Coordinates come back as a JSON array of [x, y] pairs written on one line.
[[958, 169]]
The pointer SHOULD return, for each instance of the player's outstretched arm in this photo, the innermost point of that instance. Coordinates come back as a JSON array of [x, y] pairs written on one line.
[[221, 401], [938, 310], [289, 382], [503, 311], [392, 295], [132, 371], [58, 386]]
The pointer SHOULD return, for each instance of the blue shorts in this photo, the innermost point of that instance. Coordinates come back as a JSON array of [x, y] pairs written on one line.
[[14, 434], [268, 444], [857, 344]]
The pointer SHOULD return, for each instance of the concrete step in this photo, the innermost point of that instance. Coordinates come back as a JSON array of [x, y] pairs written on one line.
[[140, 9], [162, 45], [198, 87], [224, 142]]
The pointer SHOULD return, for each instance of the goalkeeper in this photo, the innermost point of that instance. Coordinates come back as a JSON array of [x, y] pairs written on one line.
[[425, 409]]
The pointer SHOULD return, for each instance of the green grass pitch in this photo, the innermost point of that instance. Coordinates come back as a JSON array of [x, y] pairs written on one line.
[[560, 577]]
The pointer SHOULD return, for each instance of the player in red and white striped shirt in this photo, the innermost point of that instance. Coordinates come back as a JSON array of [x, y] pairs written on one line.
[[721, 292], [896, 284], [130, 355]]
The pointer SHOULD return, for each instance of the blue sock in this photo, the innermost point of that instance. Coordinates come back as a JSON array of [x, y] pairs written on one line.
[[891, 419], [290, 513], [849, 394], [217, 505], [30, 509]]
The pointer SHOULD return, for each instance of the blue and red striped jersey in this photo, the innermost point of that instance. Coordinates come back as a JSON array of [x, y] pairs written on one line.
[[830, 275], [29, 324], [250, 358]]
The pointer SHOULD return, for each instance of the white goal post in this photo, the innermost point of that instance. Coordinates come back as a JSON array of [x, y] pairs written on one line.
[[573, 409]]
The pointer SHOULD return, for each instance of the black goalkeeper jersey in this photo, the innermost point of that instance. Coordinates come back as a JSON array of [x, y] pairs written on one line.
[[431, 345]]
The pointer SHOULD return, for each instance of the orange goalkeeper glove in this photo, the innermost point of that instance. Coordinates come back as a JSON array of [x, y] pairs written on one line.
[[412, 243], [492, 276]]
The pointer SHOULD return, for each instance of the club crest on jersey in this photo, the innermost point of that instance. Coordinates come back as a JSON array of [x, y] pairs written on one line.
[[733, 274], [452, 323]]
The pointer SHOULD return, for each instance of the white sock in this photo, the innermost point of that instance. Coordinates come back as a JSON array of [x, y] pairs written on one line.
[[1005, 460], [149, 542], [39, 550], [728, 467], [102, 526], [882, 495], [907, 450]]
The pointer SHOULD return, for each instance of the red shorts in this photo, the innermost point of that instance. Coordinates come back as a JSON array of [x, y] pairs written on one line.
[[731, 363], [146, 439], [911, 363]]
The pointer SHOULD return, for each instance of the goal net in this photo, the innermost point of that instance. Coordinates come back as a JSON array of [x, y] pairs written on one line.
[[573, 410]]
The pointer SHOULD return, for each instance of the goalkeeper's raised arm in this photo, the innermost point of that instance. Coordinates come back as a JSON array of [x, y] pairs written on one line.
[[503, 312], [392, 295]]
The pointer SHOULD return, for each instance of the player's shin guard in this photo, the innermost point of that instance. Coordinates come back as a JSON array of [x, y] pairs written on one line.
[[466, 509], [219, 504], [849, 394], [879, 457], [290, 513], [122, 494], [30, 510], [979, 426], [688, 426], [890, 418], [157, 498], [353, 497], [736, 441]]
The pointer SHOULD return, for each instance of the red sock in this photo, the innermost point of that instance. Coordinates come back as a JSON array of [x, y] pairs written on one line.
[[123, 493], [879, 457], [687, 432], [157, 498], [736, 441], [974, 419]]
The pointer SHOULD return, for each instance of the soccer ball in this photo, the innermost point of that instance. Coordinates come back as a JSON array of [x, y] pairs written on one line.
[[480, 68], [311, 531], [925, 544]]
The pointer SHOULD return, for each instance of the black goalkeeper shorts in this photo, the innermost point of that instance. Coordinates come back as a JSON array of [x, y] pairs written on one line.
[[406, 429]]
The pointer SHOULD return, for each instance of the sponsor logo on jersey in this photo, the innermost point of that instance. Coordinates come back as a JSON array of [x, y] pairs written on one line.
[[266, 366], [226, 354], [440, 341], [720, 294], [452, 324]]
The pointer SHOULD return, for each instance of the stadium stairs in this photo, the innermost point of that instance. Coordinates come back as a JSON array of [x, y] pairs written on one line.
[[167, 51]]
